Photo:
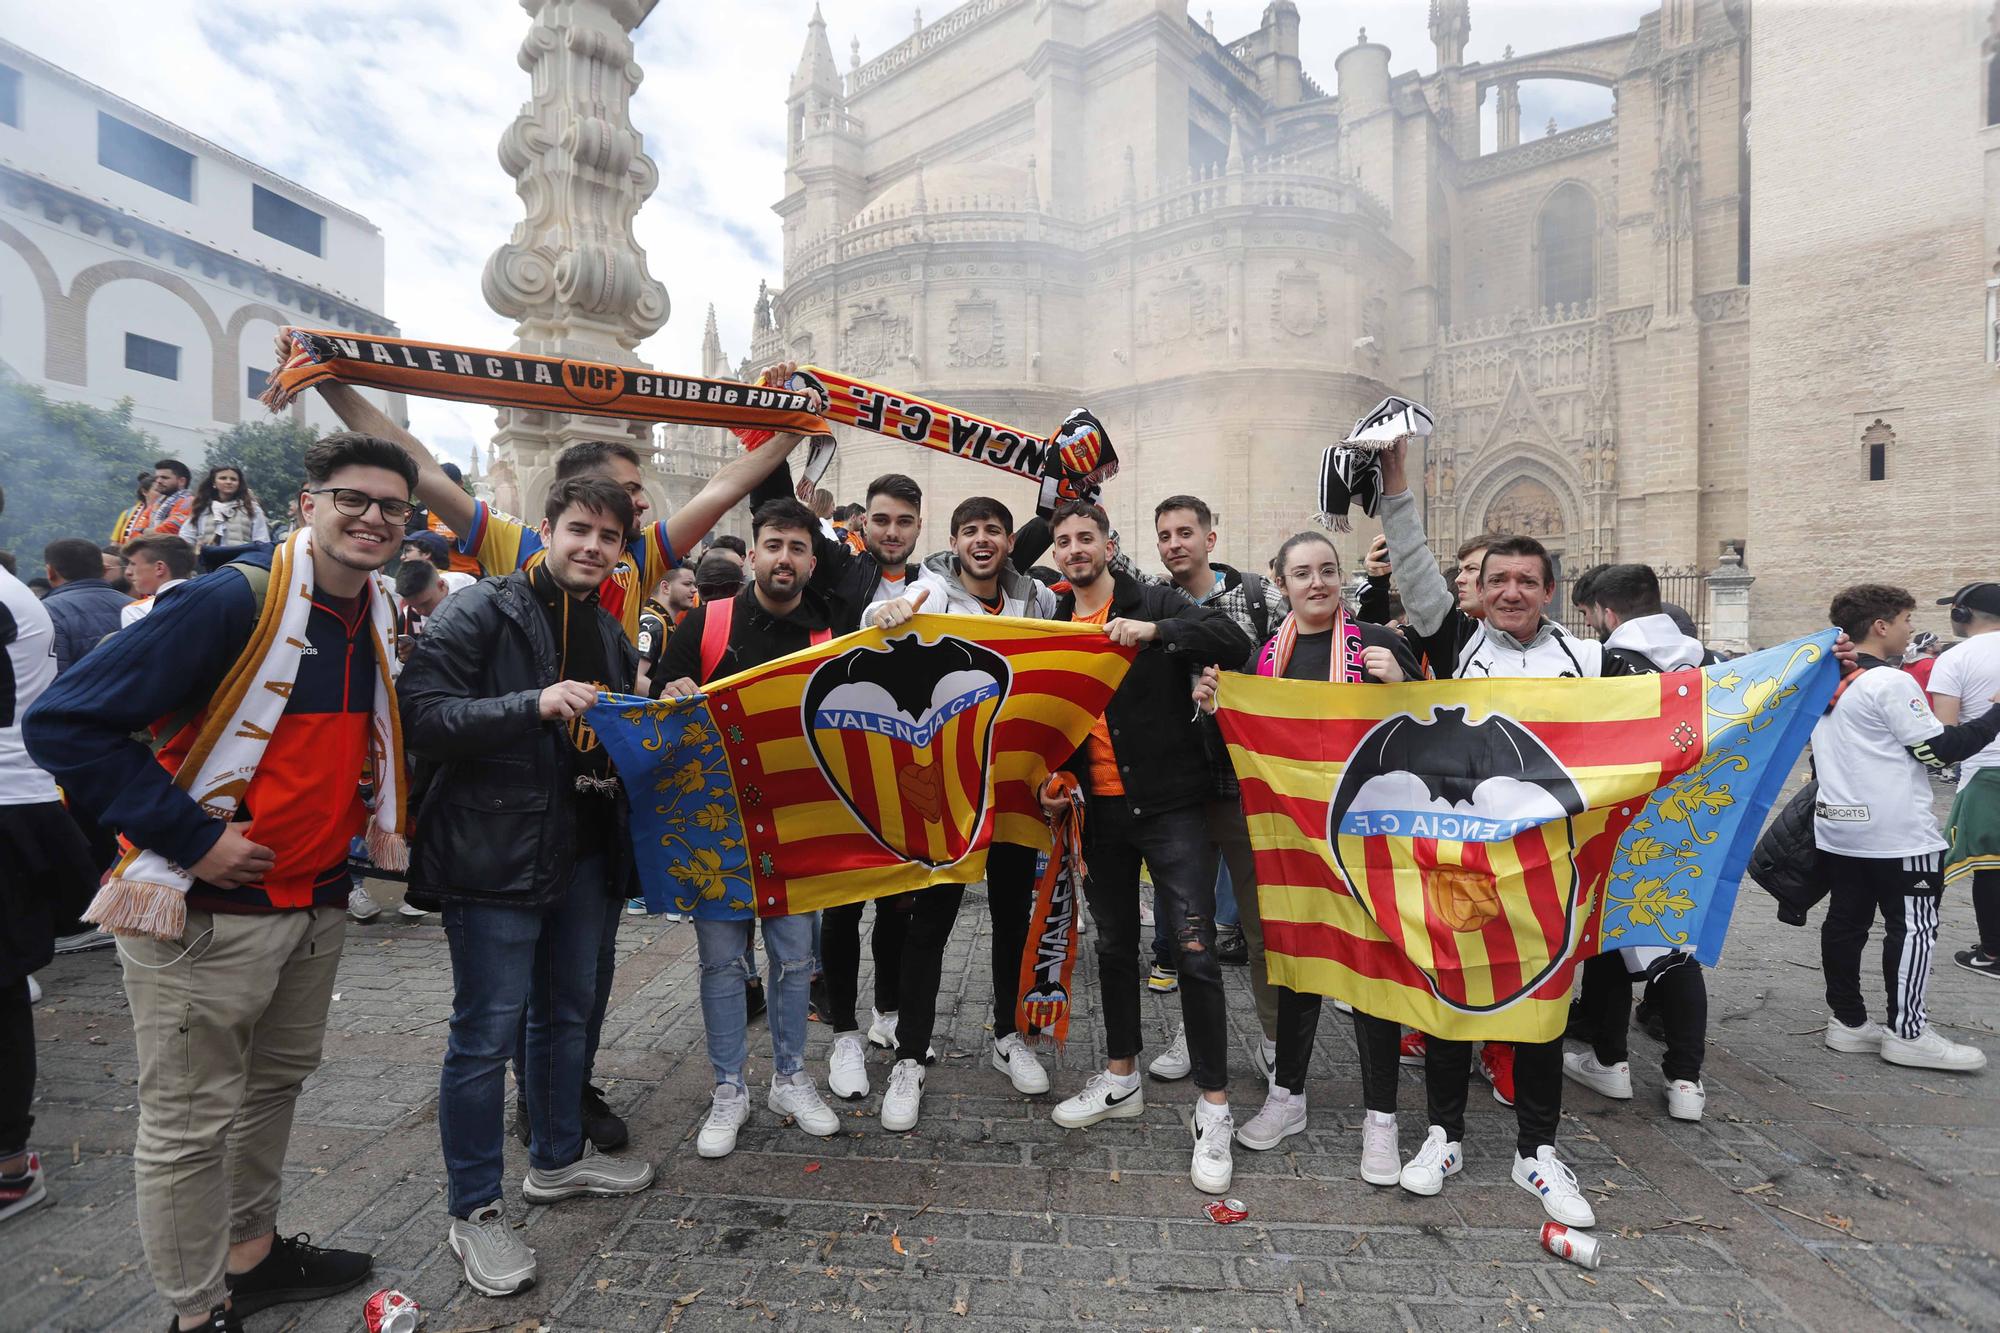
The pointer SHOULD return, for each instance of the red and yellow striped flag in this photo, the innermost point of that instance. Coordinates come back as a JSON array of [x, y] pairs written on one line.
[[875, 764], [1436, 853]]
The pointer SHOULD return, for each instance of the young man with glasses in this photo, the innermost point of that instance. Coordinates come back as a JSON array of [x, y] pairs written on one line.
[[229, 1010]]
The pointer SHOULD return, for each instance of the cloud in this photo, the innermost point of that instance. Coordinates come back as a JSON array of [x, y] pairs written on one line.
[[394, 108]]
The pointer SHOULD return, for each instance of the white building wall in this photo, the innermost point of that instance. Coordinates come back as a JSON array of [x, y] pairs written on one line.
[[88, 255]]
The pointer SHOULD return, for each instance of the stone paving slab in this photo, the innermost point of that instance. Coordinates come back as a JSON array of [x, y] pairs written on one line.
[[1836, 1191]]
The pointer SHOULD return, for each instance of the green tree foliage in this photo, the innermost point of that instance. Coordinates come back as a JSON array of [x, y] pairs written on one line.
[[272, 456], [68, 469]]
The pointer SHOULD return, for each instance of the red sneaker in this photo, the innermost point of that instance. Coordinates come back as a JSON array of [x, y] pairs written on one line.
[[1496, 1062], [1411, 1052]]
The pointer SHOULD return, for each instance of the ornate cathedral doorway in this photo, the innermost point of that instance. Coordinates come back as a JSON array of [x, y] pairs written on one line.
[[1529, 509]]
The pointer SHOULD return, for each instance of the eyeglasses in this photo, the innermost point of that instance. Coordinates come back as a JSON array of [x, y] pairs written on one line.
[[355, 504]]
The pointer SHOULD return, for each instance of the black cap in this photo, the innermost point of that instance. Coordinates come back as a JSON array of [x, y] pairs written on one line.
[[1983, 597]]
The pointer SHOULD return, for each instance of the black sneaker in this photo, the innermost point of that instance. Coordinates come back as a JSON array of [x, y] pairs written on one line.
[[1232, 948], [296, 1271], [1977, 960], [601, 1124], [753, 1002], [221, 1319]]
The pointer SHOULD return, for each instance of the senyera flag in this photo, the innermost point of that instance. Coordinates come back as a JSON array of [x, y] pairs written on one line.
[[1445, 854], [874, 764]]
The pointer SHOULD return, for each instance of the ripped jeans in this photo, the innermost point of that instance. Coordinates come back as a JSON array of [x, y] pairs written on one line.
[[726, 967], [1181, 859]]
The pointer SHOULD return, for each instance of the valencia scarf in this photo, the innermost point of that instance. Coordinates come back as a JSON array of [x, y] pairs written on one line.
[[1350, 472], [146, 893], [1044, 1005], [1071, 464], [1344, 666], [538, 383]]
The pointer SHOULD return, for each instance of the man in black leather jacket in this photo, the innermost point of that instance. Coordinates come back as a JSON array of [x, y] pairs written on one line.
[[522, 838], [1145, 771]]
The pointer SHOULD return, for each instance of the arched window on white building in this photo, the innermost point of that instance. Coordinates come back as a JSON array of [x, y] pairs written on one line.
[[1566, 244]]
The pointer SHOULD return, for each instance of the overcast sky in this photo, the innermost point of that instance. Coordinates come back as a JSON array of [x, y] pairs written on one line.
[[394, 108]]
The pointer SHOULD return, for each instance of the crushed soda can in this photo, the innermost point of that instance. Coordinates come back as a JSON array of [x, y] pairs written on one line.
[[390, 1311], [1225, 1211], [1579, 1247]]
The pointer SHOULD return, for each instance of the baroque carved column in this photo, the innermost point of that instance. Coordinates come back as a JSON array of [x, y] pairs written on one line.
[[573, 275]]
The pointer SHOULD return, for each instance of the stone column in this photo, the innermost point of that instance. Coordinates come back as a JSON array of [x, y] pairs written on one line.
[[573, 274], [1507, 121], [1729, 603]]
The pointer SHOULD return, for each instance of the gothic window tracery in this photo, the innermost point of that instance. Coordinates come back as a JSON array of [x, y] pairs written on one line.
[[1566, 243]]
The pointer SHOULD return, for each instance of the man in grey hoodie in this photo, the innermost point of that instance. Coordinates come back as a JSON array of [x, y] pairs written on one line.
[[978, 579], [1640, 638]]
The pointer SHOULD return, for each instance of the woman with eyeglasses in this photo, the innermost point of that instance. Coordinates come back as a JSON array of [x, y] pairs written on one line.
[[226, 512]]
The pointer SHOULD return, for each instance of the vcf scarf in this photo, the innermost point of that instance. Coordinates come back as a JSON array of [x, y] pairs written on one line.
[[146, 893], [1351, 472], [1078, 457], [540, 383], [1051, 953], [1344, 666]]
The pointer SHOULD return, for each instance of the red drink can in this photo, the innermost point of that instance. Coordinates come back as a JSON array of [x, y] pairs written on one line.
[[390, 1311], [1579, 1247], [1225, 1211]]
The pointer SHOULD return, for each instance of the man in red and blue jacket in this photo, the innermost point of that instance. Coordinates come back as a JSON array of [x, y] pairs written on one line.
[[230, 1017]]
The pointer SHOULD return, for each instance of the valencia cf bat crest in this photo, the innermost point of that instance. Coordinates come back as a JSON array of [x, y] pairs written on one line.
[[1456, 838], [904, 734]]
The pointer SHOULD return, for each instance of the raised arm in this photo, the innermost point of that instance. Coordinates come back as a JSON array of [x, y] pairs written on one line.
[[1428, 599], [732, 481], [435, 491]]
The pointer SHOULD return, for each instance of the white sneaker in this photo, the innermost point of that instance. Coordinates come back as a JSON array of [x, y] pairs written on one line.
[[1685, 1100], [1173, 1062], [1012, 1057], [882, 1029], [1931, 1049], [1545, 1177], [1854, 1041], [1283, 1115], [405, 909], [847, 1067], [726, 1114], [1212, 1169], [905, 1096], [1105, 1097], [1264, 1056], [361, 906], [1381, 1155], [1439, 1157], [34, 991], [1614, 1081], [797, 1097]]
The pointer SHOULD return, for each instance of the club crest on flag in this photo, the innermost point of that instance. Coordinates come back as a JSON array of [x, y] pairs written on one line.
[[1457, 839], [903, 734]]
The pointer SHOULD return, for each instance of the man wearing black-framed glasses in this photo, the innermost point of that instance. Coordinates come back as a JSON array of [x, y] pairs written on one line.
[[355, 504]]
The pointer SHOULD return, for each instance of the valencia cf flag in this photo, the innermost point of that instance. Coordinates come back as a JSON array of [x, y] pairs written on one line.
[[874, 764], [1444, 854]]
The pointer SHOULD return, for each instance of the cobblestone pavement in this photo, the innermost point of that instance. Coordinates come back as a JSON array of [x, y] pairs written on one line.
[[1822, 1191]]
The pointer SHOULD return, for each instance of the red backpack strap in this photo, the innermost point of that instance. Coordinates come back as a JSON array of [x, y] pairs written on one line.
[[820, 635], [715, 635]]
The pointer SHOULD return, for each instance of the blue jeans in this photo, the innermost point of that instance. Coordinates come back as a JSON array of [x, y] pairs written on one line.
[[727, 964], [1225, 898], [505, 960]]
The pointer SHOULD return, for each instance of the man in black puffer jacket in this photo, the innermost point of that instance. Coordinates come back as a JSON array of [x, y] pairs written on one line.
[[1146, 774], [522, 837]]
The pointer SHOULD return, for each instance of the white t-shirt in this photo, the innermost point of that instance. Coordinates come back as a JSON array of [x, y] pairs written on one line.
[[30, 642], [1874, 797], [1970, 672], [453, 581]]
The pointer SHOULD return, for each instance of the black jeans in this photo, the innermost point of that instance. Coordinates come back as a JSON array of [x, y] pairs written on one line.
[[17, 1066], [1175, 847], [1986, 909], [1905, 890], [1375, 1041], [1010, 887], [1677, 990], [1537, 1089], [840, 957]]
